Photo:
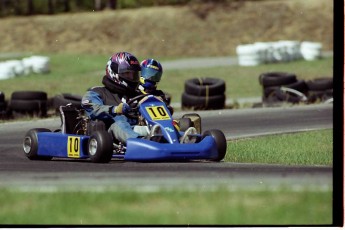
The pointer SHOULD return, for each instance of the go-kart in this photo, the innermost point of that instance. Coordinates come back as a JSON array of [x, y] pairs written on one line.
[[82, 138]]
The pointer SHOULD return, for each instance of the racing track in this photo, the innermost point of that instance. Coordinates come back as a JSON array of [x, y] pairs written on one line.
[[17, 170]]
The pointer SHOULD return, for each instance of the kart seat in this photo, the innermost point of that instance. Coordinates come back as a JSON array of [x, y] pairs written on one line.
[[69, 121]]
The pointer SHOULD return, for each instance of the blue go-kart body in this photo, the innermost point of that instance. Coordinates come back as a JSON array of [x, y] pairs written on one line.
[[42, 144]]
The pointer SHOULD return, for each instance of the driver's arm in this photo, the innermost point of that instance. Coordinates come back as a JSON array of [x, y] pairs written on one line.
[[95, 107]]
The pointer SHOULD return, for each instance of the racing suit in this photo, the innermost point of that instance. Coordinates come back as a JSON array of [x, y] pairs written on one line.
[[99, 103]]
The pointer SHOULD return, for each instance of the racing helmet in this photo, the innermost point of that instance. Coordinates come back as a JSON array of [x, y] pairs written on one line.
[[123, 69], [151, 73]]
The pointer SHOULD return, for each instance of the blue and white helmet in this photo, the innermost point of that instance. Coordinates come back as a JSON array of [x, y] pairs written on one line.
[[151, 73]]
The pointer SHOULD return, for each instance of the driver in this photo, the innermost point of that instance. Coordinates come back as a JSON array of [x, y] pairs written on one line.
[[151, 74], [108, 102]]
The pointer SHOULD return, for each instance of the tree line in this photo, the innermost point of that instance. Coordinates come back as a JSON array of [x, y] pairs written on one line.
[[34, 7]]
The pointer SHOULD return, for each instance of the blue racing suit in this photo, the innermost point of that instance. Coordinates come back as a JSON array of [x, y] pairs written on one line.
[[99, 103]]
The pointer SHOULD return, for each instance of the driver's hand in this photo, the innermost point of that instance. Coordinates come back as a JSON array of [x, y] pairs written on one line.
[[122, 108]]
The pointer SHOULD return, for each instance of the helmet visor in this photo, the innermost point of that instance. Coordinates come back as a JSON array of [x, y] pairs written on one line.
[[151, 74], [132, 76]]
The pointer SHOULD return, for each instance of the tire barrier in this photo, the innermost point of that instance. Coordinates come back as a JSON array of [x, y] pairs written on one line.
[[33, 64], [66, 98], [204, 86], [2, 97], [35, 103], [281, 51], [320, 89], [285, 87], [203, 94], [311, 50], [29, 103], [3, 106], [276, 79], [249, 55]]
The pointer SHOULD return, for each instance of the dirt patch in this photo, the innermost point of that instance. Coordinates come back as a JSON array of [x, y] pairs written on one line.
[[192, 30]]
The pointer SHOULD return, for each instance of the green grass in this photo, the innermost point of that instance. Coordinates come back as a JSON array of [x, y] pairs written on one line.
[[219, 207], [71, 73], [305, 148]]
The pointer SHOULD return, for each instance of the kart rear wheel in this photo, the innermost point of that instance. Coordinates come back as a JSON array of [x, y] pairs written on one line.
[[30, 144], [220, 140], [100, 147]]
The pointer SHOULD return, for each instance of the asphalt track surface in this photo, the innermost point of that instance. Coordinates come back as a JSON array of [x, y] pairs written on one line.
[[19, 172]]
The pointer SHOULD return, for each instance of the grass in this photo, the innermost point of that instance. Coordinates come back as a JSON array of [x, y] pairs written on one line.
[[305, 148], [178, 207]]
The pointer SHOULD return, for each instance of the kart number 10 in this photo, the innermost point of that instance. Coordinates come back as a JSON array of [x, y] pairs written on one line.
[[157, 113], [73, 149]]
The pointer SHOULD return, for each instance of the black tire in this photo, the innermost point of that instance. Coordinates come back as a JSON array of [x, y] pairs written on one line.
[[287, 96], [276, 79], [270, 91], [321, 95], [299, 85], [100, 147], [2, 97], [200, 102], [270, 95], [275, 94], [205, 86], [30, 144], [29, 106], [3, 106], [320, 84], [29, 95], [66, 98], [5, 111], [220, 140], [185, 123]]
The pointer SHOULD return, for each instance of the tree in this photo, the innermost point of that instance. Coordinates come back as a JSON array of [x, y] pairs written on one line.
[[66, 6], [30, 9], [50, 7], [98, 5], [112, 4]]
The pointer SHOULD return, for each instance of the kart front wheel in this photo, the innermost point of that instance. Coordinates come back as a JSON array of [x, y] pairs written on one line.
[[220, 140], [100, 147], [30, 144]]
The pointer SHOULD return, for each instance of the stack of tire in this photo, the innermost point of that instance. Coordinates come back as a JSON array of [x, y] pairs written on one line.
[[203, 94], [278, 87], [3, 106], [66, 98], [320, 89], [29, 103], [34, 103]]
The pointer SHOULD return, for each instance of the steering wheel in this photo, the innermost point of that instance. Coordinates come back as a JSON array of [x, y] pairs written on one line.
[[134, 106], [131, 101]]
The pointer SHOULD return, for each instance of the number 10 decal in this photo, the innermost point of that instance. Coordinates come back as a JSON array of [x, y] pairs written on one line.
[[158, 113], [73, 147]]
